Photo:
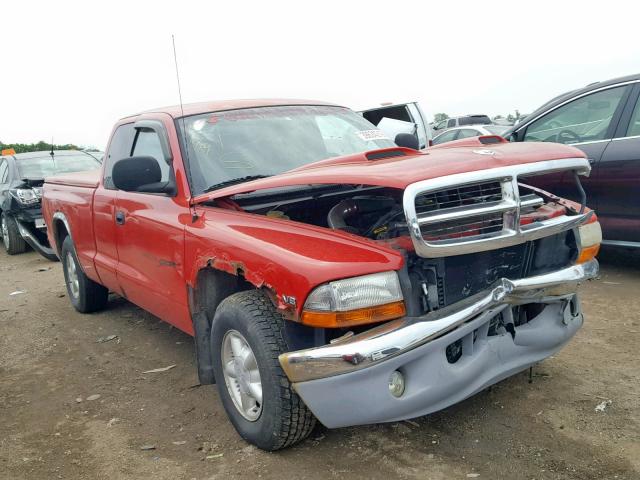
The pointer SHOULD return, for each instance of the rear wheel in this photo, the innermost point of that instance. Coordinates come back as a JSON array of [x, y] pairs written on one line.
[[86, 295], [11, 238], [247, 338]]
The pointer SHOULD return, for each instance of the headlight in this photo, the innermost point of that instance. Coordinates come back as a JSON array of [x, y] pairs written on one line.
[[26, 196], [589, 238], [355, 301]]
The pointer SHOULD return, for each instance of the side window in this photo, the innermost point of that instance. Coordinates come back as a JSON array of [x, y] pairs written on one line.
[[397, 112], [634, 125], [147, 144], [586, 119], [4, 171], [119, 148], [451, 123], [445, 137], [468, 133]]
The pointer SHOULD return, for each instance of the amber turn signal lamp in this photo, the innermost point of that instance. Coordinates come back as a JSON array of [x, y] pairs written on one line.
[[360, 316], [588, 253]]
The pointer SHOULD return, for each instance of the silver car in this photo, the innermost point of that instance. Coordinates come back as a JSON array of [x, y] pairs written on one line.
[[469, 131]]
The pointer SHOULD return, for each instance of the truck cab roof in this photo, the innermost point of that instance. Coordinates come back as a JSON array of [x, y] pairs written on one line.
[[177, 111]]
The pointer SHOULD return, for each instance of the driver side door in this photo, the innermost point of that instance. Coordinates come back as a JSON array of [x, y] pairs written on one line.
[[588, 123], [150, 235]]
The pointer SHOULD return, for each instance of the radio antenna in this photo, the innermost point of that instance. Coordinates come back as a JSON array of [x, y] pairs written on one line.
[[194, 216], [184, 128], [53, 157], [175, 60]]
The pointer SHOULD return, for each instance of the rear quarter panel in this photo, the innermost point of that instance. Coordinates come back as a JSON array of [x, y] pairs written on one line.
[[76, 204]]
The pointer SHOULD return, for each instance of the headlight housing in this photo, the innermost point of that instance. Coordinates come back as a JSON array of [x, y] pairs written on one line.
[[26, 196], [589, 238], [355, 301]]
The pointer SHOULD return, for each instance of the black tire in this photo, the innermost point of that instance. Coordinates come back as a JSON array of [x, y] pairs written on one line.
[[284, 419], [12, 240], [51, 257], [90, 296]]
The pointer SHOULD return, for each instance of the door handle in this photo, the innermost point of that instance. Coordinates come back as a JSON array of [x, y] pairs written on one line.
[[120, 218]]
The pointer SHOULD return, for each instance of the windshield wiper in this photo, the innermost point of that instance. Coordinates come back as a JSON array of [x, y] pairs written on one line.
[[234, 181]]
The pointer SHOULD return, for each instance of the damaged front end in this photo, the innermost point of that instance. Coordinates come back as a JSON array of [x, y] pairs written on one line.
[[440, 358], [488, 287], [24, 205]]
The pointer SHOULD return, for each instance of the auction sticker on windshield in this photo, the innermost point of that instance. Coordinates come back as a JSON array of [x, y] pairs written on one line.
[[367, 135]]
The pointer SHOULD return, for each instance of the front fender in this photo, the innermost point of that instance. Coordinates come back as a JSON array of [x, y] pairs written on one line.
[[286, 257]]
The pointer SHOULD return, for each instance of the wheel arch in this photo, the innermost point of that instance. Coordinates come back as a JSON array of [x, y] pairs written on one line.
[[61, 230], [214, 285], [211, 287]]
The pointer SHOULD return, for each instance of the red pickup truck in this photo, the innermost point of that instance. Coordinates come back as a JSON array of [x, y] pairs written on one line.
[[325, 272]]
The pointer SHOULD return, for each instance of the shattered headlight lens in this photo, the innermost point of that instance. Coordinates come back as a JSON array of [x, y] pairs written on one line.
[[354, 301], [26, 196]]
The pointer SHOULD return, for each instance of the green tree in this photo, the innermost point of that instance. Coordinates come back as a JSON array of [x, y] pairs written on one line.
[[36, 147], [438, 117]]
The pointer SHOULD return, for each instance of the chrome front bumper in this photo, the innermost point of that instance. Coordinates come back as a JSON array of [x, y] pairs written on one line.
[[329, 378]]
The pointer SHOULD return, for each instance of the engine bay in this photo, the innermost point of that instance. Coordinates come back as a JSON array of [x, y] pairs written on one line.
[[371, 212]]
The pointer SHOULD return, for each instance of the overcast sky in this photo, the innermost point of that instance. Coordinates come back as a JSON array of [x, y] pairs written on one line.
[[70, 69]]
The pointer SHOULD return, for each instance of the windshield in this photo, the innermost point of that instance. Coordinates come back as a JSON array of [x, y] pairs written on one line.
[[244, 144], [47, 165]]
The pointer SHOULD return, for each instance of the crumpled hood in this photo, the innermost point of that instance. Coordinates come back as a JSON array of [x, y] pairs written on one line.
[[401, 171]]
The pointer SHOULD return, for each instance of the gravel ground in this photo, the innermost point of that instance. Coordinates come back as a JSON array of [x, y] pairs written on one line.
[[74, 402]]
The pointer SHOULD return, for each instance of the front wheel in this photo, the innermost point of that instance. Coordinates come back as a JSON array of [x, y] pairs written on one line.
[[11, 238], [86, 295], [247, 338]]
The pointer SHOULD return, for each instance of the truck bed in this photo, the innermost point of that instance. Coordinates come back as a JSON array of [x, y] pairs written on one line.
[[88, 179], [68, 203]]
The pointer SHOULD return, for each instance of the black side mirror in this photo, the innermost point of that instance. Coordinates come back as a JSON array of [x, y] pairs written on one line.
[[140, 174], [407, 140]]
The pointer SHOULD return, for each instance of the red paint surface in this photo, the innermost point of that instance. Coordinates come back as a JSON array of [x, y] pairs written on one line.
[[286, 257]]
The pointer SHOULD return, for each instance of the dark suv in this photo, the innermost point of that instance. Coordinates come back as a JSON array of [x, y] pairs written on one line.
[[21, 179], [603, 120]]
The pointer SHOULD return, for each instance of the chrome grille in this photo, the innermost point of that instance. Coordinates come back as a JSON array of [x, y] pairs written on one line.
[[467, 227], [485, 192], [479, 211], [459, 199]]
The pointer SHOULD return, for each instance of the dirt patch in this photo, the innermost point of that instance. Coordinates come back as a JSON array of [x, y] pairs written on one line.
[[54, 360]]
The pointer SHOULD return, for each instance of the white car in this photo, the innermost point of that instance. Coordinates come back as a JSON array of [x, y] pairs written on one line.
[[401, 118], [469, 131]]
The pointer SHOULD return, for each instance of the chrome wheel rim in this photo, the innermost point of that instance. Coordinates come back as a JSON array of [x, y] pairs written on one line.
[[241, 375], [5, 232], [72, 276]]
